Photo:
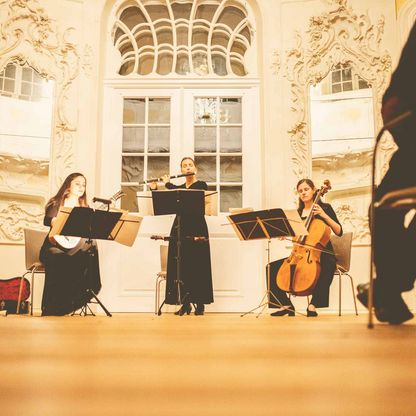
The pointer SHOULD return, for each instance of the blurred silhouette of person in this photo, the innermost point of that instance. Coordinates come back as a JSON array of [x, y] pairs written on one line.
[[395, 230]]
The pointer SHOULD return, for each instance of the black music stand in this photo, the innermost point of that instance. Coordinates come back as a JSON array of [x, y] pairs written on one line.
[[267, 224], [91, 224], [179, 202]]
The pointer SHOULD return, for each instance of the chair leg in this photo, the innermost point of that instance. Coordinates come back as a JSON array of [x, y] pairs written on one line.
[[353, 293], [19, 298], [157, 295], [339, 291], [31, 291]]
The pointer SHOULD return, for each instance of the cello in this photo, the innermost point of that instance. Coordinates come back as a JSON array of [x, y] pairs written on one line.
[[300, 272]]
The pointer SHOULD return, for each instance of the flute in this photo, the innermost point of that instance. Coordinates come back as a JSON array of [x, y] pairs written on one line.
[[170, 177]]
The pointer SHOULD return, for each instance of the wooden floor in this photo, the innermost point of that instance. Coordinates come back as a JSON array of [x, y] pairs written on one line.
[[217, 364]]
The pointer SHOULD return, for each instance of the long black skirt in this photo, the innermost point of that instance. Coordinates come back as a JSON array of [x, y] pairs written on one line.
[[69, 277], [195, 280]]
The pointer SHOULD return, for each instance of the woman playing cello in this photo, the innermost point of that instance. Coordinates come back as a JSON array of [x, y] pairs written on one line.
[[320, 293]]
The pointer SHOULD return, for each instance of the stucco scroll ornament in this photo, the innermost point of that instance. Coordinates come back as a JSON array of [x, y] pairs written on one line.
[[336, 36], [352, 221], [276, 62], [29, 36], [14, 219], [333, 37]]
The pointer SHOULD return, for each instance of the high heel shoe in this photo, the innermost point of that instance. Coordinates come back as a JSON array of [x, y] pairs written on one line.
[[200, 309], [310, 313], [185, 309], [284, 311]]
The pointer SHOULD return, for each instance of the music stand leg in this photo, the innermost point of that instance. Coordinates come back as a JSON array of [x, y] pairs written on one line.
[[266, 299], [91, 292]]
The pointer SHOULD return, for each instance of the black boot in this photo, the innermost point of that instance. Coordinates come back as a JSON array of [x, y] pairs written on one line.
[[200, 308], [185, 309]]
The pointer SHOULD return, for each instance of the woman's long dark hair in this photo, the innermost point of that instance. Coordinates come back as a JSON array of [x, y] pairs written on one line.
[[63, 192], [301, 204]]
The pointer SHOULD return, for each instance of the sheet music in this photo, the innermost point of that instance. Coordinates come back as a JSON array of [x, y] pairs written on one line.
[[296, 222], [126, 229], [145, 203], [60, 221], [211, 203]]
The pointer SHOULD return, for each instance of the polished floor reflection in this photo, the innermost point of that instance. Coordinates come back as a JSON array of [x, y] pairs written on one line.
[[216, 364]]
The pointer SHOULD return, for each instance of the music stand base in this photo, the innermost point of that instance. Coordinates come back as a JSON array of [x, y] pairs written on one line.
[[265, 301]]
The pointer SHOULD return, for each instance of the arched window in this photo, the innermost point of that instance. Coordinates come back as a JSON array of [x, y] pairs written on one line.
[[183, 37]]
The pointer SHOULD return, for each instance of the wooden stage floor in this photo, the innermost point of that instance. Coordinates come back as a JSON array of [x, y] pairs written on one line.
[[217, 364]]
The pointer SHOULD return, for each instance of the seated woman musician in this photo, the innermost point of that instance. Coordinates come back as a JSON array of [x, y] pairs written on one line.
[[194, 285], [69, 272], [320, 293]]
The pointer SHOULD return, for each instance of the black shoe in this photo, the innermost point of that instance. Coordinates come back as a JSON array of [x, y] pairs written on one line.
[[395, 311], [310, 313], [185, 309], [284, 311], [200, 309]]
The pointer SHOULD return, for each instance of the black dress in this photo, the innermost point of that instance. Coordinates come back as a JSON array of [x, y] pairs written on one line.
[[195, 267], [320, 294], [68, 274]]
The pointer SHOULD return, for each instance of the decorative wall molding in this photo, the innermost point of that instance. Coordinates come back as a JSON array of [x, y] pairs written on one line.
[[14, 218], [336, 36], [29, 36], [352, 220], [276, 62]]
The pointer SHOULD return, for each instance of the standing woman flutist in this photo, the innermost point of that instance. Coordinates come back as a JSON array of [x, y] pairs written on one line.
[[196, 280], [68, 273]]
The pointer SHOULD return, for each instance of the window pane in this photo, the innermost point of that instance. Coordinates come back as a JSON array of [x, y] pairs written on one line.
[[27, 74], [205, 139], [200, 36], [133, 139], [10, 71], [134, 111], [159, 110], [230, 197], [238, 68], [230, 110], [219, 65], [146, 65], [37, 91], [230, 139], [37, 78], [164, 65], [346, 74], [159, 138], [231, 169], [336, 76], [206, 166], [26, 88], [182, 35], [363, 84], [347, 86], [129, 201], [205, 110], [9, 85], [132, 169], [336, 88], [157, 166], [200, 63], [182, 65]]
